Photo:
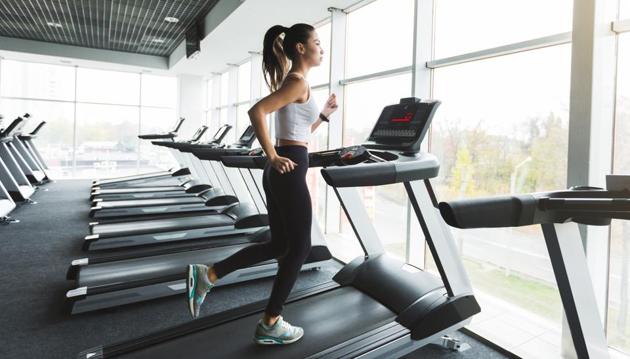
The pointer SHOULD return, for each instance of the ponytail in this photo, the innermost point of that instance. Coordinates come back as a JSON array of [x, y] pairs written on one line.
[[275, 62], [278, 50]]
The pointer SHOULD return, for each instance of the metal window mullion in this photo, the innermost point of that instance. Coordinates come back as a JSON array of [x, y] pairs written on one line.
[[591, 119], [232, 99], [74, 124], [375, 75], [533, 44], [139, 125], [320, 86], [621, 26], [421, 85], [216, 100], [338, 20]]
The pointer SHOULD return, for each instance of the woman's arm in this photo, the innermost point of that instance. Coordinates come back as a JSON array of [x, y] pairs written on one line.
[[291, 91], [329, 107]]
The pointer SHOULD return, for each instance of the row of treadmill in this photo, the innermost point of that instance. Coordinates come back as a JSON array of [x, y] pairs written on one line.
[[145, 229], [22, 168]]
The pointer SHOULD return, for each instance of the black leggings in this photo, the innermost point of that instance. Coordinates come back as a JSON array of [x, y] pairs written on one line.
[[290, 214]]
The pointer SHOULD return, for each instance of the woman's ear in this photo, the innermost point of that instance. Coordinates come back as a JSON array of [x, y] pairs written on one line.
[[300, 48]]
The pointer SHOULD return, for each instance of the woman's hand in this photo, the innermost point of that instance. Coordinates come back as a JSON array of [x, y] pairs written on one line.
[[330, 106], [282, 164]]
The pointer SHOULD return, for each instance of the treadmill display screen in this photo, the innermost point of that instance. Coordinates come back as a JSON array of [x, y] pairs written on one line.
[[220, 133], [248, 134], [401, 122], [199, 133]]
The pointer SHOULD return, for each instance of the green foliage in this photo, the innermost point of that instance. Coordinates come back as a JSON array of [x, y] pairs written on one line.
[[476, 162]]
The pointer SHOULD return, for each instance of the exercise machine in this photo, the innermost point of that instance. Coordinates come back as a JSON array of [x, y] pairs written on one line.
[[558, 213]]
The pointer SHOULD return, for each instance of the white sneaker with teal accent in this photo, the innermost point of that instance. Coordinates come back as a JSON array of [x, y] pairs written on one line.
[[197, 286], [280, 333]]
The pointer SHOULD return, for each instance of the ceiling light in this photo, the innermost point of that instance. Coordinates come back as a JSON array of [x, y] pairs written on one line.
[[158, 41], [53, 24], [172, 20]]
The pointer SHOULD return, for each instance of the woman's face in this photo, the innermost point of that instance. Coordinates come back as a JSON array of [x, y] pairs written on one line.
[[313, 52]]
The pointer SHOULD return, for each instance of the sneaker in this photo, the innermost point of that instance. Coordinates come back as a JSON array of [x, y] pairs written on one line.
[[280, 333], [197, 286]]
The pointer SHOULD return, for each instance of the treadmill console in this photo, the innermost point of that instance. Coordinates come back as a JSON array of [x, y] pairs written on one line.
[[247, 138], [402, 126], [221, 132], [197, 136]]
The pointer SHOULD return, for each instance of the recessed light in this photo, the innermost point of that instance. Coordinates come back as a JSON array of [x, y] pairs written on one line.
[[172, 20], [158, 41], [54, 24]]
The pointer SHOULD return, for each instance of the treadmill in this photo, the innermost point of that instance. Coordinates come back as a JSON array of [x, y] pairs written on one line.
[[246, 215], [11, 174], [32, 167], [27, 140], [376, 306], [6, 206], [186, 188], [134, 180], [558, 213], [136, 276], [210, 199]]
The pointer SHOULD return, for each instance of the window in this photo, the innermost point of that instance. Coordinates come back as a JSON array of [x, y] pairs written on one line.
[[156, 120], [499, 131], [386, 205], [320, 74], [54, 141], [102, 86], [244, 81], [466, 26], [619, 272], [37, 81], [365, 101], [225, 81], [242, 119], [388, 45], [106, 140], [106, 115]]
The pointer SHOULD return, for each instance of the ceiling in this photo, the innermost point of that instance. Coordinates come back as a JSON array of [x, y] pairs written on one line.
[[135, 26], [243, 31]]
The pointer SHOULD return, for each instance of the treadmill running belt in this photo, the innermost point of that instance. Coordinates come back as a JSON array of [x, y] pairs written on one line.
[[139, 269], [141, 190], [162, 225], [328, 319], [149, 202]]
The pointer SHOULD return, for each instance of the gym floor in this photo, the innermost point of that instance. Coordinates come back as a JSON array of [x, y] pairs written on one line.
[[35, 255]]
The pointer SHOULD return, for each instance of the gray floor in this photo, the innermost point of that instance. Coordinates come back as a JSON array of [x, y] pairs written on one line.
[[35, 255]]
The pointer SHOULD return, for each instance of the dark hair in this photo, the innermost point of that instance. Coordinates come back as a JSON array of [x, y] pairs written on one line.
[[278, 50]]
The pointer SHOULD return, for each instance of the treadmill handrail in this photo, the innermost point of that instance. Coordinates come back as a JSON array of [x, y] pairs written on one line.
[[7, 131], [537, 208]]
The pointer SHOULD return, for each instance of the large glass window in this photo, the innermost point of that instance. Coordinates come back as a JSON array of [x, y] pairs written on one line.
[[38, 81], [389, 45], [104, 140], [156, 120], [320, 74], [385, 205], [619, 279], [244, 81], [502, 129], [54, 141], [225, 81], [242, 119], [111, 108], [102, 86], [466, 26]]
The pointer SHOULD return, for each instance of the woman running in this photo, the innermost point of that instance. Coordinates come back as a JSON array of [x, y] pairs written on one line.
[[286, 62]]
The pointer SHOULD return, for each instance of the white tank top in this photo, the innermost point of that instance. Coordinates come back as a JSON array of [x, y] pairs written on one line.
[[293, 121]]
